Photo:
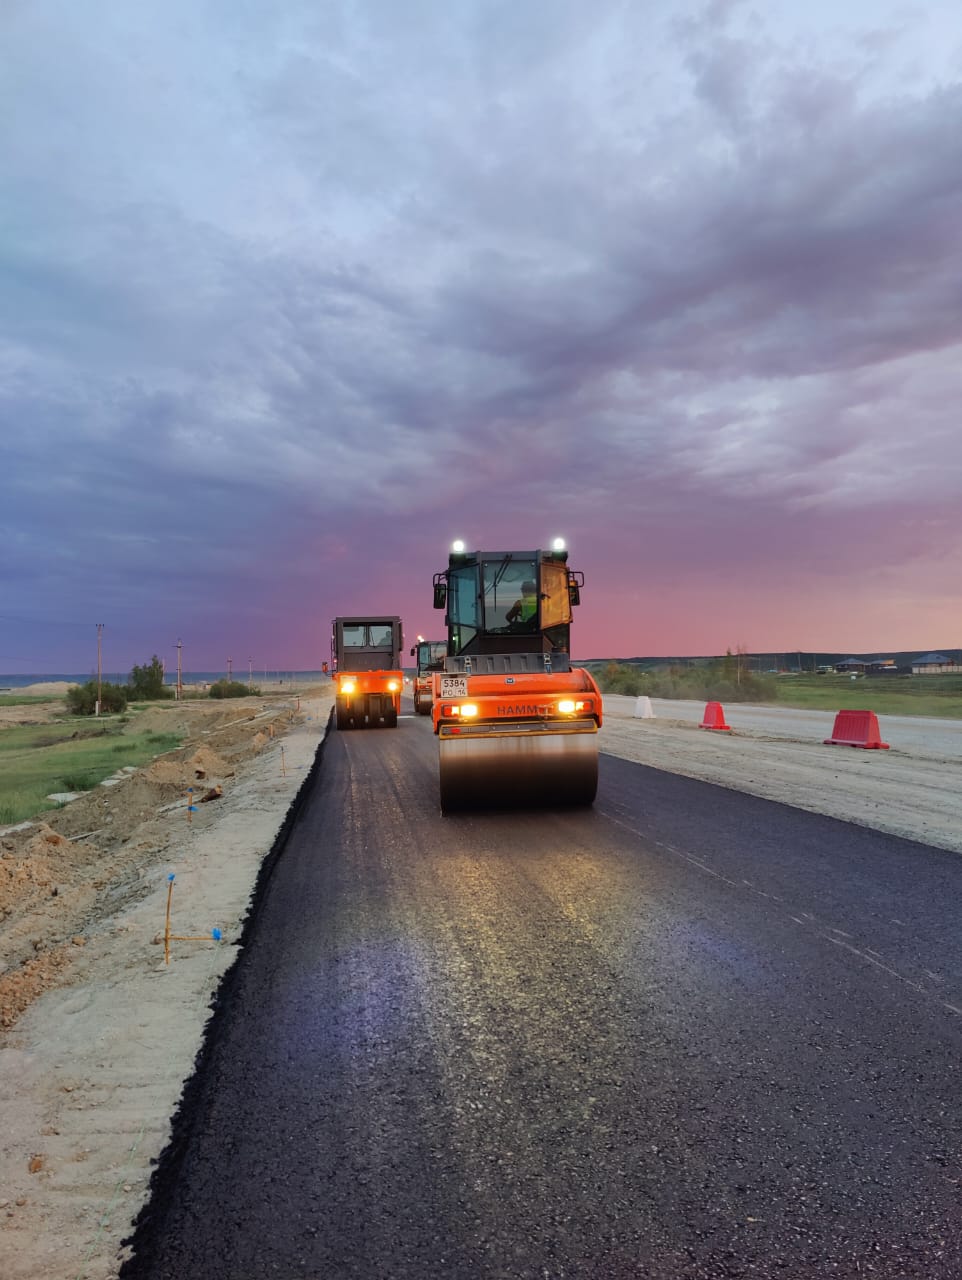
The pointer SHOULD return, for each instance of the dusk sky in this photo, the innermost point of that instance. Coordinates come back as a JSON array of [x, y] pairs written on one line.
[[293, 294]]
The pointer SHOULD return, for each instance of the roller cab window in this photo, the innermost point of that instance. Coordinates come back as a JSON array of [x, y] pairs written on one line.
[[463, 605], [378, 636], [510, 595], [555, 597]]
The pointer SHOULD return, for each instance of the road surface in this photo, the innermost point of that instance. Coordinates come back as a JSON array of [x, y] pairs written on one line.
[[685, 1034]]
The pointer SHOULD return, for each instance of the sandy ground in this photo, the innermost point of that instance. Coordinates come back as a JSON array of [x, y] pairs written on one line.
[[98, 1033]]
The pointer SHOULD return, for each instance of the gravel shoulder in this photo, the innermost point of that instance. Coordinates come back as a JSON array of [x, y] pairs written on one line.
[[95, 1053], [912, 790]]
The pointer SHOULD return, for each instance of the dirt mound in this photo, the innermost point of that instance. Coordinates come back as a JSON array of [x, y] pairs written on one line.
[[28, 866], [42, 839], [168, 773], [48, 887], [20, 987], [46, 688], [63, 874], [183, 771], [206, 763]]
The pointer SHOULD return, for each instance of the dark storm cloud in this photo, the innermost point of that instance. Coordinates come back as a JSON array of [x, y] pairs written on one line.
[[268, 275]]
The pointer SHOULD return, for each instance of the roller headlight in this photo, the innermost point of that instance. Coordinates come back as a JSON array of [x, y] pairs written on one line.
[[566, 706]]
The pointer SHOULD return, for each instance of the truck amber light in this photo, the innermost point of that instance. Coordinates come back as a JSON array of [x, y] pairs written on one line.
[[347, 686], [566, 706], [392, 685]]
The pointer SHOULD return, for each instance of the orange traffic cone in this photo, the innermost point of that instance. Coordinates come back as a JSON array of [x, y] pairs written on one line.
[[715, 718]]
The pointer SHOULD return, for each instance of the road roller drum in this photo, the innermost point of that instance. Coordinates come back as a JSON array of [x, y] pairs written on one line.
[[504, 770]]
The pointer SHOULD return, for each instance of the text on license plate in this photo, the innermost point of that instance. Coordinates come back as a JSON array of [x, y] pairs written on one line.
[[454, 686]]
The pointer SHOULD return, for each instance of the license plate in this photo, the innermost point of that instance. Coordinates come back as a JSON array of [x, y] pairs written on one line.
[[454, 686]]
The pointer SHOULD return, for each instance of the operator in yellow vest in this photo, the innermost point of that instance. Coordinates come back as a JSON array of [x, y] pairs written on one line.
[[525, 609]]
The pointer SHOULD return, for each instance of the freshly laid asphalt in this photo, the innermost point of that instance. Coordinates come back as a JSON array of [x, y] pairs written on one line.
[[684, 1033]]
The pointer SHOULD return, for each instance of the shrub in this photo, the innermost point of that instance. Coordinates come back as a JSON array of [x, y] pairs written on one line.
[[710, 682], [616, 677], [82, 699], [76, 782], [232, 689], [146, 683]]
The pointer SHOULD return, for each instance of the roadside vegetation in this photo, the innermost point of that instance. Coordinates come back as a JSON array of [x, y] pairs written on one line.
[[146, 684], [725, 680], [233, 689], [82, 699], [721, 680], [939, 696], [38, 760]]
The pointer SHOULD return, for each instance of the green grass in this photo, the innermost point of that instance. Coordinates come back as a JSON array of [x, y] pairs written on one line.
[[939, 696], [27, 699], [37, 760]]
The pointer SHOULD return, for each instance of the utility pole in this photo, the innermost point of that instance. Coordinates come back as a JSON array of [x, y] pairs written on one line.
[[250, 675], [100, 631], [180, 681], [229, 664]]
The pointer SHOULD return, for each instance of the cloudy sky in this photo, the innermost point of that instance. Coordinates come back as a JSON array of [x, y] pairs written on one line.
[[291, 295]]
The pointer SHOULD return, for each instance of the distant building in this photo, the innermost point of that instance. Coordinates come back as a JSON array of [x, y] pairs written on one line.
[[934, 664], [856, 665], [870, 667], [882, 667]]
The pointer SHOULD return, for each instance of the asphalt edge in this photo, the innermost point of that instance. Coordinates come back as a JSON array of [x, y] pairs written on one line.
[[148, 1224]]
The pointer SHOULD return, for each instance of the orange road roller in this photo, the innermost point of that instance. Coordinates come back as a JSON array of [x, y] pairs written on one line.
[[366, 669], [517, 725]]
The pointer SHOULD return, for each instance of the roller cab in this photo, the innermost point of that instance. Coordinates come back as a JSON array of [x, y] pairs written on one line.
[[517, 725], [429, 656], [366, 666]]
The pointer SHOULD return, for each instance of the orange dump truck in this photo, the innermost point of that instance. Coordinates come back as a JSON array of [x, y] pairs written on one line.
[[516, 723], [366, 667]]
